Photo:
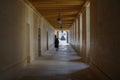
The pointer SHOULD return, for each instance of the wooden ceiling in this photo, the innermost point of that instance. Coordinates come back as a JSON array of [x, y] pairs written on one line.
[[50, 9]]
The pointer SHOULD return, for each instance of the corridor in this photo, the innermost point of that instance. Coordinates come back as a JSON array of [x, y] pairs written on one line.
[[63, 64], [29, 28]]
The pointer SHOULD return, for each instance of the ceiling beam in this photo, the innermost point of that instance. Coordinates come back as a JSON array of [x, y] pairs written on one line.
[[57, 2], [50, 9]]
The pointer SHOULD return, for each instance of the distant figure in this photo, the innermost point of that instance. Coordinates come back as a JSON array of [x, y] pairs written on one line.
[[56, 43]]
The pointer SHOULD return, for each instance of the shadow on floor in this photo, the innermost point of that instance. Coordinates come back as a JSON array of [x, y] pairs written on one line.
[[85, 74], [63, 64]]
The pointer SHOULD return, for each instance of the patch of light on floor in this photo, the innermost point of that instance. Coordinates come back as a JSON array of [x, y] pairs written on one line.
[[63, 42]]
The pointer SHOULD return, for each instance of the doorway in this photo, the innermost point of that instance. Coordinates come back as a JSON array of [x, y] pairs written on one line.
[[63, 37], [39, 42], [47, 42], [27, 41]]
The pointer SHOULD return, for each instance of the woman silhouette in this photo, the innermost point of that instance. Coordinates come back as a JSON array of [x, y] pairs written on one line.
[[56, 43]]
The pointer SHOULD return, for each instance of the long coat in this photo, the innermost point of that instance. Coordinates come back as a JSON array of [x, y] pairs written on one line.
[[56, 43]]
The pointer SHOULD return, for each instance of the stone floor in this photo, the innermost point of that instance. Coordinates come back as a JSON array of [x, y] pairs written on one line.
[[63, 64]]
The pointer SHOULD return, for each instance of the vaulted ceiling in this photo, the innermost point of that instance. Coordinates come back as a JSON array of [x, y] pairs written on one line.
[[50, 9]]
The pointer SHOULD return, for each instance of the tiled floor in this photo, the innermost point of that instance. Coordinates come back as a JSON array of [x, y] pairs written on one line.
[[63, 64]]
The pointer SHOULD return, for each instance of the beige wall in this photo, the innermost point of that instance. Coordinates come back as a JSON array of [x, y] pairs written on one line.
[[12, 23], [19, 25], [104, 38], [46, 28]]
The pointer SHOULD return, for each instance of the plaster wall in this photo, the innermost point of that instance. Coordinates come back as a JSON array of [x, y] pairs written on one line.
[[105, 37], [19, 25], [46, 31], [12, 23]]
